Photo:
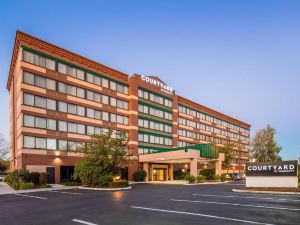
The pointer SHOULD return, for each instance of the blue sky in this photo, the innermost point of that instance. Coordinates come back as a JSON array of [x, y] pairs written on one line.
[[239, 57]]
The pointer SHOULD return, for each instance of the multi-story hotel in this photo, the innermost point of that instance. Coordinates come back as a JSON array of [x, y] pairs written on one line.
[[59, 98]]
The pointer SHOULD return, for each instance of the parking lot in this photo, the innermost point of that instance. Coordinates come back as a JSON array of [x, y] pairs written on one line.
[[150, 204]]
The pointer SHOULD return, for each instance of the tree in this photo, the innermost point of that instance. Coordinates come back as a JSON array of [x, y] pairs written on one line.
[[264, 146], [227, 149], [4, 152], [103, 157]]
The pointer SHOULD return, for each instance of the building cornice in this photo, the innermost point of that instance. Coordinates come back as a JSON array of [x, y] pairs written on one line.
[[48, 48]]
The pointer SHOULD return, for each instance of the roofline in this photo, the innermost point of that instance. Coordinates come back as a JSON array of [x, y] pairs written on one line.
[[23, 38], [205, 109]]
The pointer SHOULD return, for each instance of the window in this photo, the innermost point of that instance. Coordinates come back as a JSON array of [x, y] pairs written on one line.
[[113, 85], [80, 128], [62, 68], [89, 78], [51, 144], [71, 108], [51, 84], [113, 101], [40, 102], [51, 124], [90, 130], [62, 126], [62, 106], [28, 57], [71, 90], [28, 99], [62, 87], [97, 97], [80, 111], [113, 118], [97, 80], [28, 121], [80, 93], [72, 127], [80, 74], [90, 113], [28, 78], [40, 81], [105, 116], [29, 142], [104, 82], [40, 143], [51, 104], [40, 122], [63, 145], [104, 99], [50, 64]]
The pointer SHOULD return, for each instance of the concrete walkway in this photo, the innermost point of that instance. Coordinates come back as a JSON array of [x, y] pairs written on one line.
[[5, 189]]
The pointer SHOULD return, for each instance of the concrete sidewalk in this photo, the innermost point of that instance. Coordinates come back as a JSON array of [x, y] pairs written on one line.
[[5, 189]]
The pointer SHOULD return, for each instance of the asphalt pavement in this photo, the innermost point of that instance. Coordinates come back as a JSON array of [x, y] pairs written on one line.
[[150, 204]]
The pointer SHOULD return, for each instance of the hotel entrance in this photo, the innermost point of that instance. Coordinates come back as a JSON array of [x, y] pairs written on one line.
[[159, 174]]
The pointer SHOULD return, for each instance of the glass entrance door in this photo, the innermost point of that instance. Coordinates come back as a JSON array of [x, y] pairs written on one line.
[[159, 174]]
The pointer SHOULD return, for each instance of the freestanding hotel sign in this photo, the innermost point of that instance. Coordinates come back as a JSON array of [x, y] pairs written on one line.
[[272, 174]]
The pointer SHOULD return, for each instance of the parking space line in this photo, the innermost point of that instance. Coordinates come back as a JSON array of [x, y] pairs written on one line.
[[235, 204], [31, 196], [248, 197], [65, 192], [83, 222], [199, 214]]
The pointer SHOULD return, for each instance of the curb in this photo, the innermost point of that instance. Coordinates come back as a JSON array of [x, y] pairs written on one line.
[[266, 192], [36, 190], [105, 189]]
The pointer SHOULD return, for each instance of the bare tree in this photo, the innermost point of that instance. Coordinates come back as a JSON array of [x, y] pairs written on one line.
[[4, 148]]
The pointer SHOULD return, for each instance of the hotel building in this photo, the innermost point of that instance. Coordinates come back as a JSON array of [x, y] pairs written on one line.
[[59, 98]]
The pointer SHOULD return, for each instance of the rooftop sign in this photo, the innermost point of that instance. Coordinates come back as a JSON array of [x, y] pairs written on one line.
[[163, 87]]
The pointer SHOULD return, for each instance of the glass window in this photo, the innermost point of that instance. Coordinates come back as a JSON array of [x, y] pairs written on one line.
[[71, 108], [51, 144], [62, 106], [113, 101], [80, 74], [113, 85], [50, 64], [62, 87], [63, 145], [29, 142], [80, 93], [90, 113], [62, 126], [97, 80], [90, 130], [40, 122], [97, 97], [28, 78], [98, 114], [62, 68], [90, 95], [80, 110], [40, 102], [113, 117], [28, 121], [51, 104], [80, 128], [51, 124], [40, 143], [105, 116], [72, 127], [71, 90], [104, 99], [28, 99], [89, 77], [51, 84], [40, 81], [28, 56]]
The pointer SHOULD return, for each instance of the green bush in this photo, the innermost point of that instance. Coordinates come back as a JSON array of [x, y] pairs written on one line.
[[225, 177], [178, 175], [16, 177], [25, 186], [208, 173], [216, 177], [190, 178], [43, 178], [104, 180], [200, 178], [118, 184], [88, 172], [139, 175], [34, 178], [71, 183]]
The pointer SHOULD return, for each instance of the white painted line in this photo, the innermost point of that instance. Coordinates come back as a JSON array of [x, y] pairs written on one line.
[[31, 196], [248, 197], [199, 214], [83, 222], [64, 192], [236, 204]]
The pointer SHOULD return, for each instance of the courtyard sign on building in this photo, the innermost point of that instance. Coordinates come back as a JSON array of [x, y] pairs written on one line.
[[163, 87], [272, 174]]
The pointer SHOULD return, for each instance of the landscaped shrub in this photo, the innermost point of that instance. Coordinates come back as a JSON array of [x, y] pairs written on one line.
[[225, 177], [208, 173], [118, 184], [200, 179], [72, 183], [26, 185], [139, 175], [16, 177], [88, 172], [104, 180], [34, 178], [216, 177], [43, 179], [178, 175], [190, 178]]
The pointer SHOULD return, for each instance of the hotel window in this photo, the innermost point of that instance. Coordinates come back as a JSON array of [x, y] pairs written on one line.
[[63, 145], [29, 142], [72, 127], [80, 93], [104, 82], [90, 113], [90, 130], [113, 117], [51, 84], [105, 99], [28, 78], [51, 144], [105, 116], [62, 107], [71, 108], [40, 81], [62, 126], [80, 111], [40, 122], [40, 143], [51, 124], [40, 102], [28, 121], [28, 99], [113, 85], [62, 68], [80, 128]]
